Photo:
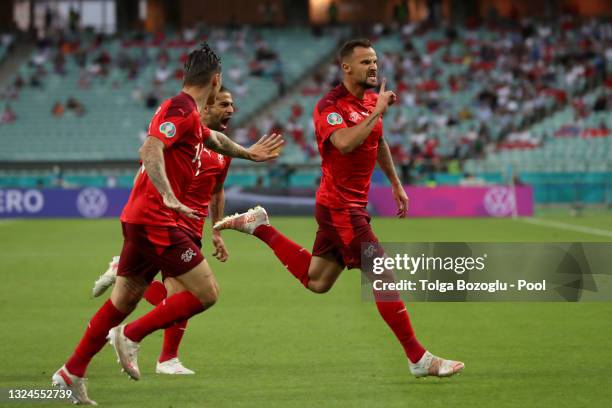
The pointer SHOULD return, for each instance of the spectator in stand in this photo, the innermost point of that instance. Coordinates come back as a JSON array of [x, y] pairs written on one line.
[[162, 74], [84, 82], [58, 109], [59, 64], [35, 81], [296, 110], [295, 129], [19, 82], [8, 116], [152, 99], [137, 95], [75, 106], [241, 89], [601, 104], [235, 74]]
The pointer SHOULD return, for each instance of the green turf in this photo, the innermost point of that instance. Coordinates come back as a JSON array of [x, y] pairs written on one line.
[[270, 343]]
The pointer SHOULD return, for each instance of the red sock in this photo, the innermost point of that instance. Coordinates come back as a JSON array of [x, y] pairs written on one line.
[[395, 314], [94, 338], [295, 258], [174, 309], [155, 293], [172, 339]]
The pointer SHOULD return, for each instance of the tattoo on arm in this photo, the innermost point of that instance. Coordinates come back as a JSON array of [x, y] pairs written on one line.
[[224, 145], [153, 160], [372, 118]]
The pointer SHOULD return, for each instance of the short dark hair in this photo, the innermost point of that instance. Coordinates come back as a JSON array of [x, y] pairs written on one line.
[[201, 65], [348, 47], [223, 89]]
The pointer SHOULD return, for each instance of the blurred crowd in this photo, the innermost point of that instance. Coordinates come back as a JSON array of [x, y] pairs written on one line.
[[463, 93], [142, 61]]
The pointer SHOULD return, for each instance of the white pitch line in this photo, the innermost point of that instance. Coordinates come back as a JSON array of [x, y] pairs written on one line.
[[565, 226]]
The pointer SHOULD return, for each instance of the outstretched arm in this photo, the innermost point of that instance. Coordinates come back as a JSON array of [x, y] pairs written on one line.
[[265, 149], [385, 161]]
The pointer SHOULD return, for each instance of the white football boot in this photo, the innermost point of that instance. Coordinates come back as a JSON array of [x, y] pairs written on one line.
[[246, 222], [64, 380], [107, 279], [126, 350], [435, 366], [172, 367]]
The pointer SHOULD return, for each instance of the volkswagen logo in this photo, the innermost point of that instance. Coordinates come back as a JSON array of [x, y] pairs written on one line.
[[499, 201], [92, 203]]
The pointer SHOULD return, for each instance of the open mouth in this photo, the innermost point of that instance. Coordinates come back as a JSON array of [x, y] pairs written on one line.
[[372, 75], [224, 122]]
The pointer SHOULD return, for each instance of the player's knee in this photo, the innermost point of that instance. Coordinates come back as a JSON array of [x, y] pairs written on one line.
[[126, 303], [209, 297], [319, 286]]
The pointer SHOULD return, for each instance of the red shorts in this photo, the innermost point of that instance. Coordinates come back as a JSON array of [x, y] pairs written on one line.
[[341, 234], [149, 249]]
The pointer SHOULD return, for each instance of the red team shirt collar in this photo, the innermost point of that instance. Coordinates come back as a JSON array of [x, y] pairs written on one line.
[[192, 101]]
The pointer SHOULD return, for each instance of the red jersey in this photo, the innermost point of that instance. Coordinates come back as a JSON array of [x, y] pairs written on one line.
[[345, 180], [211, 172], [177, 124]]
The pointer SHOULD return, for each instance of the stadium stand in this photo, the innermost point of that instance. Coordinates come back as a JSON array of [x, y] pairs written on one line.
[[533, 98], [90, 98], [466, 91]]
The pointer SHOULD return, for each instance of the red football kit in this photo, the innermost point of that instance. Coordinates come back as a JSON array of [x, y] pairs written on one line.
[[153, 239], [177, 124], [210, 173], [344, 223]]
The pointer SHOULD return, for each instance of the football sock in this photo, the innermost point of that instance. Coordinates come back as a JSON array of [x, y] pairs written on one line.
[[172, 339], [107, 317], [176, 308], [295, 258], [394, 313], [155, 293]]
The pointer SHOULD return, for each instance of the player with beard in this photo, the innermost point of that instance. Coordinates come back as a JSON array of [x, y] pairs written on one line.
[[349, 132], [153, 238], [207, 195]]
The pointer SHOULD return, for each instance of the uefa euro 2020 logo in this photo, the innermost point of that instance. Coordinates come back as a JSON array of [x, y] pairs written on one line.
[[168, 129], [334, 119]]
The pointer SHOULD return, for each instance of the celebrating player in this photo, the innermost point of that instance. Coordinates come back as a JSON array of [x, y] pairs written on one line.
[[206, 188], [153, 239], [349, 131]]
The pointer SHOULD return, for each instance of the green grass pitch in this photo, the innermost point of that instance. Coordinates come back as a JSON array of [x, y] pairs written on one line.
[[270, 343]]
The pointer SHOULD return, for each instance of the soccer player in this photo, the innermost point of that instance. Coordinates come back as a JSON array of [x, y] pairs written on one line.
[[349, 132], [206, 188], [153, 240]]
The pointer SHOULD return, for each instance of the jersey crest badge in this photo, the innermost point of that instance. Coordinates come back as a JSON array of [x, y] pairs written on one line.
[[168, 129], [334, 119], [188, 255], [355, 117]]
